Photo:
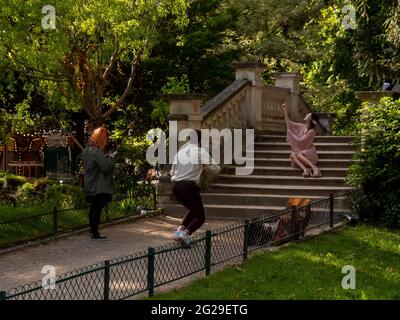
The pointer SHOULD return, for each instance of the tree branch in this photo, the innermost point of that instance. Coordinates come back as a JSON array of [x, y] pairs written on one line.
[[49, 78], [121, 100], [44, 75], [113, 59], [69, 133]]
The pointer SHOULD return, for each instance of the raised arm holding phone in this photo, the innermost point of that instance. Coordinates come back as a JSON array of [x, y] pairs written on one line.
[[301, 139]]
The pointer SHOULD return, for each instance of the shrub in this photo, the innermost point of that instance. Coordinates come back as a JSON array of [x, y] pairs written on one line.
[[64, 196], [42, 184], [378, 172], [26, 194], [13, 182]]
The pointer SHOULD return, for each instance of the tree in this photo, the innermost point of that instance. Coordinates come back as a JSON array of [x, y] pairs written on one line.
[[196, 55], [377, 172], [76, 62]]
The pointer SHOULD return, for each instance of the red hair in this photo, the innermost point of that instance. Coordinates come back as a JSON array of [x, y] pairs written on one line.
[[98, 138]]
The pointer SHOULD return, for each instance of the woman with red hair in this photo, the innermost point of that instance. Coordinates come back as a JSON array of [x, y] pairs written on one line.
[[98, 185]]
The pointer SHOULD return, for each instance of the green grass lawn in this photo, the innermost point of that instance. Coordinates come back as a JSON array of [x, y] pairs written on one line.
[[8, 213], [15, 231], [310, 270]]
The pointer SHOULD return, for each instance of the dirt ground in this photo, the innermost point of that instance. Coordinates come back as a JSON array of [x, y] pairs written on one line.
[[24, 266]]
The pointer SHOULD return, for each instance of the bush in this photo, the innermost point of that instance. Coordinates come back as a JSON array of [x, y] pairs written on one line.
[[13, 182], [26, 194], [378, 172], [64, 196], [41, 184]]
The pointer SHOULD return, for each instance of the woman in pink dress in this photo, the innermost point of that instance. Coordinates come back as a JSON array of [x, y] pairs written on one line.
[[301, 138]]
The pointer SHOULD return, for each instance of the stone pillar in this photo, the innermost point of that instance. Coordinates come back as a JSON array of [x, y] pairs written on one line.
[[185, 109], [290, 81], [373, 97], [252, 71]]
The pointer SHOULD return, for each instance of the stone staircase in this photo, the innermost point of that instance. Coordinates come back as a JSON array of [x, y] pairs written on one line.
[[273, 180], [250, 103]]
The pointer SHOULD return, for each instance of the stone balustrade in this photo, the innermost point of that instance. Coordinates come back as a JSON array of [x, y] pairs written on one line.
[[247, 103]]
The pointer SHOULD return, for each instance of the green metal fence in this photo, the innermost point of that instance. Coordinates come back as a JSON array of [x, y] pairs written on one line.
[[58, 221], [127, 276]]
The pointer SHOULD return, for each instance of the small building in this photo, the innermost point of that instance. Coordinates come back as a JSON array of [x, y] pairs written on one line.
[[45, 154]]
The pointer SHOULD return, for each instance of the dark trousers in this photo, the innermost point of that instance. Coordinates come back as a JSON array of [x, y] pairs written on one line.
[[188, 194], [98, 202]]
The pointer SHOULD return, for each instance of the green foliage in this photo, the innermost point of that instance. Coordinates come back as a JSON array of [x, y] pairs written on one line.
[[378, 172], [5, 127], [75, 62], [64, 196], [131, 165], [25, 194], [173, 86], [13, 182]]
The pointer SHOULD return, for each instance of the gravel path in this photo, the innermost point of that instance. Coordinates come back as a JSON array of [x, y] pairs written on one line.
[[76, 251]]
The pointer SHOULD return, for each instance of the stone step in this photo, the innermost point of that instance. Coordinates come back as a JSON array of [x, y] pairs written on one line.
[[224, 211], [285, 153], [244, 211], [323, 163], [249, 199], [276, 189], [338, 147], [288, 171], [328, 139], [285, 180]]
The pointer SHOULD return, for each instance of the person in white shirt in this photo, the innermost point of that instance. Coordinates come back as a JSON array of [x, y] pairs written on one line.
[[189, 163]]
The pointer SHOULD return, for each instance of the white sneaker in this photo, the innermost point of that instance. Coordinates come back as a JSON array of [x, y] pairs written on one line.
[[178, 234], [182, 237]]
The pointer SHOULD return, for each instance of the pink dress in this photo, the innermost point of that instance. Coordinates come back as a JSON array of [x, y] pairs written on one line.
[[301, 140]]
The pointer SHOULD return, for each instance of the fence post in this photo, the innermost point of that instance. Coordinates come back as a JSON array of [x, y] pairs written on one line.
[[150, 271], [207, 255], [245, 239], [107, 280], [55, 220], [293, 224], [3, 295], [331, 199]]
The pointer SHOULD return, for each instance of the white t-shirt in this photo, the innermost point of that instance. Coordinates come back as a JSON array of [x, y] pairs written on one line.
[[189, 163]]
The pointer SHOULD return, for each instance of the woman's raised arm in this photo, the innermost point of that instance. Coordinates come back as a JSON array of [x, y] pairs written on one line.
[[289, 123]]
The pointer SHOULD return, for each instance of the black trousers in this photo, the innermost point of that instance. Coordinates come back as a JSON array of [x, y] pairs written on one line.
[[188, 194], [98, 202]]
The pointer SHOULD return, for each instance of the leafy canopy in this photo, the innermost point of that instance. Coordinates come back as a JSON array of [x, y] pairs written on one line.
[[76, 61]]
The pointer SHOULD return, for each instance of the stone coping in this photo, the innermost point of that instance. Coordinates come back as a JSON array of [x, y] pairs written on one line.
[[286, 74], [224, 96], [374, 95], [178, 117]]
